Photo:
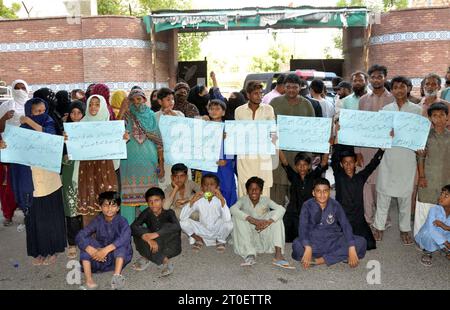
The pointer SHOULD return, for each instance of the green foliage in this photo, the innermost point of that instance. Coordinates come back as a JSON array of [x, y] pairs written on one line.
[[154, 5], [387, 4], [277, 56], [189, 45], [9, 12], [112, 7]]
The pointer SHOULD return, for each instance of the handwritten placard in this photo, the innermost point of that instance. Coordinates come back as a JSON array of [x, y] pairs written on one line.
[[410, 130], [249, 137], [364, 128], [307, 134], [193, 142], [32, 148], [96, 140]]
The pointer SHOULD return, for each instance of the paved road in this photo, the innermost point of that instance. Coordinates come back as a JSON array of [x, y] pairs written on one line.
[[399, 265]]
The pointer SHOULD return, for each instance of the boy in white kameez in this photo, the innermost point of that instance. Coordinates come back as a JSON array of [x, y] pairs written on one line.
[[258, 226], [214, 225], [396, 171]]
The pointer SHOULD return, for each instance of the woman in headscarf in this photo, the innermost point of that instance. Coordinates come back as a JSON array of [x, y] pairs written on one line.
[[10, 113], [103, 90], [62, 104], [70, 188], [49, 96], [88, 92], [199, 96], [144, 155], [39, 194], [117, 99], [94, 176], [235, 100]]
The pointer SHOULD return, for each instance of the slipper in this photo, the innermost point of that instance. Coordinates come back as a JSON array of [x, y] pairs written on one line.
[[50, 260], [283, 264], [88, 288], [37, 261], [197, 246], [220, 248], [249, 261], [141, 264], [72, 252], [426, 260], [406, 238]]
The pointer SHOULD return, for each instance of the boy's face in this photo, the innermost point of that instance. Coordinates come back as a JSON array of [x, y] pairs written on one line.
[[209, 185], [155, 203], [109, 208], [215, 111], [321, 193], [37, 109], [400, 90], [179, 178], [444, 199], [377, 79], [254, 192], [302, 167], [167, 102], [439, 119], [348, 164], [255, 96]]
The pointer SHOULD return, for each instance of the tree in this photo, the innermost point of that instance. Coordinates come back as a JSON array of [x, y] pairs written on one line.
[[189, 45], [276, 58], [111, 7], [9, 12]]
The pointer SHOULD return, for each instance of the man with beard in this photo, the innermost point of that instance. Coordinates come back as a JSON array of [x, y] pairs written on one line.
[[374, 102], [181, 104], [431, 87], [359, 86], [292, 104]]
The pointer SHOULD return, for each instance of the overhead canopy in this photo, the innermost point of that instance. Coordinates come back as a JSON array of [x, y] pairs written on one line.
[[257, 18]]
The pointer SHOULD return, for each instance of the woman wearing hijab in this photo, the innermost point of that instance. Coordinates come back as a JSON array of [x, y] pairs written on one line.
[[49, 96], [70, 188], [117, 99], [39, 194], [62, 104], [235, 100], [10, 113], [144, 155], [199, 96], [103, 90], [93, 176]]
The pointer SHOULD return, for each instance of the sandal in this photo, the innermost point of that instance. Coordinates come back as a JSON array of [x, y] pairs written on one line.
[[37, 261], [220, 247], [377, 234], [49, 260], [426, 260], [141, 264], [406, 238], [282, 263], [87, 287], [72, 252], [249, 261], [197, 246]]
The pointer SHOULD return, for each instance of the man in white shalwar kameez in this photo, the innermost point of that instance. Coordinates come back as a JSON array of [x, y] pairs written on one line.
[[396, 172], [254, 165], [214, 225], [258, 226]]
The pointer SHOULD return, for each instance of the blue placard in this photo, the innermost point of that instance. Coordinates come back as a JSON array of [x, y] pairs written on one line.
[[32, 148], [366, 129], [307, 134], [193, 142], [410, 130], [249, 137], [96, 140]]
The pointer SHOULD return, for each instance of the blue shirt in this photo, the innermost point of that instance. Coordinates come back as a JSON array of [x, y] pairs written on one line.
[[323, 228], [430, 237]]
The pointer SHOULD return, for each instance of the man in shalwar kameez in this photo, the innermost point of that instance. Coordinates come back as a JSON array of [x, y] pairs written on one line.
[[325, 234], [258, 226]]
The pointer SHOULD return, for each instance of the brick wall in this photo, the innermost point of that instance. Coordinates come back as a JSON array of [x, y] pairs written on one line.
[[96, 49], [411, 42]]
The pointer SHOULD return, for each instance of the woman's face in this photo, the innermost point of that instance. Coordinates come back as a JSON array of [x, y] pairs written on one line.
[[94, 106], [76, 115], [20, 86], [38, 109], [138, 100]]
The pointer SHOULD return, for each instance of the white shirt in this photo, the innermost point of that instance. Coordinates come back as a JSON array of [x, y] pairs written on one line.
[[18, 109], [210, 212]]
